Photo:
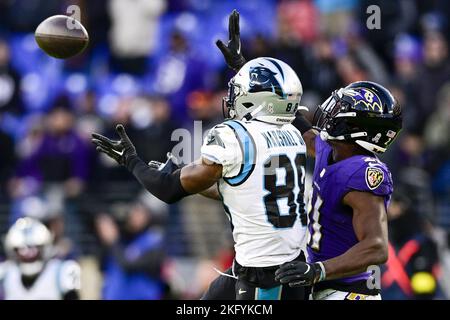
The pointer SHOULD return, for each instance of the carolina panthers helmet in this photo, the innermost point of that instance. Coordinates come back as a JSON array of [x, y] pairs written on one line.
[[29, 244], [266, 89], [364, 112]]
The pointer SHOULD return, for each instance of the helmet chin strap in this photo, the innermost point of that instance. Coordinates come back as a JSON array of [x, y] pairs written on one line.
[[370, 146], [364, 144], [326, 136]]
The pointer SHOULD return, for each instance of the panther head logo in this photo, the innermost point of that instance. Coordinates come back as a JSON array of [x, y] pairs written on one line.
[[263, 79]]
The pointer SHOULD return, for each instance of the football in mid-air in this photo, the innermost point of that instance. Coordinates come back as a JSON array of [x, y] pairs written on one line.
[[61, 36]]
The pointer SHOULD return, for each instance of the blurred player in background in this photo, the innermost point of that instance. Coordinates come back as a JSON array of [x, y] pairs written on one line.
[[31, 272], [347, 224], [257, 161]]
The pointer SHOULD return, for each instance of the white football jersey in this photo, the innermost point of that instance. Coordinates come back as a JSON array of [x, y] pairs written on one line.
[[57, 278], [262, 188]]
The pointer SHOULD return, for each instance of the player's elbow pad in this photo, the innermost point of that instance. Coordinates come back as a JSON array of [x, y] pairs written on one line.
[[165, 186]]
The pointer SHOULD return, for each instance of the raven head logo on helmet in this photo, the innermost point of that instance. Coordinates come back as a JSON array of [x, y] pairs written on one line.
[[365, 99], [364, 112], [266, 89]]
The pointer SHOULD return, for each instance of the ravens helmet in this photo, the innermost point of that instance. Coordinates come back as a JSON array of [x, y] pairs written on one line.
[[364, 112]]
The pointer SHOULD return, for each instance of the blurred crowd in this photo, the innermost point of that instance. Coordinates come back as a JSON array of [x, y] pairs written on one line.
[[153, 66]]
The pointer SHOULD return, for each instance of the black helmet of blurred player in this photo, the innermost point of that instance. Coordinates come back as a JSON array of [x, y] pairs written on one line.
[[364, 112], [29, 244]]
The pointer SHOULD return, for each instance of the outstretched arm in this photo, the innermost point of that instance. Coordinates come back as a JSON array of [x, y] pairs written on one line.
[[171, 187], [200, 175], [172, 164], [235, 60], [165, 185], [370, 225], [309, 134]]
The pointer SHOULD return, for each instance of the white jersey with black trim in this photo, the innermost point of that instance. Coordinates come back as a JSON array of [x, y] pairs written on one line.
[[56, 279], [262, 188]]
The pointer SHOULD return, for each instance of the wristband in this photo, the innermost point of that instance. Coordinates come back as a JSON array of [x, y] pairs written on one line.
[[323, 273]]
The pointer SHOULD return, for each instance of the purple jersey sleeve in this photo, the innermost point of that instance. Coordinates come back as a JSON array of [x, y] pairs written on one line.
[[320, 145], [373, 177]]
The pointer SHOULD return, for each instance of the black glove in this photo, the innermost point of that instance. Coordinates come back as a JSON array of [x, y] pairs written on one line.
[[168, 167], [299, 273], [301, 123], [232, 52], [120, 150]]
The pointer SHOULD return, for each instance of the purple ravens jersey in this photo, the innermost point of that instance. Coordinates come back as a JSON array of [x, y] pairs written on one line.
[[330, 221]]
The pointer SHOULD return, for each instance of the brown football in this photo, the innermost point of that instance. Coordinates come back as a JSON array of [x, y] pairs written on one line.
[[61, 36]]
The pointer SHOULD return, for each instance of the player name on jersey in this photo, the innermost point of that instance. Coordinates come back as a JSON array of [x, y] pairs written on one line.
[[280, 138], [263, 202]]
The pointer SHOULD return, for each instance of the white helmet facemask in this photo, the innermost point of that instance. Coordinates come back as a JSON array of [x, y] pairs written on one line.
[[30, 269]]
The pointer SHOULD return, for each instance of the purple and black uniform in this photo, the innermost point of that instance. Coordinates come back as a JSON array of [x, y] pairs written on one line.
[[330, 221]]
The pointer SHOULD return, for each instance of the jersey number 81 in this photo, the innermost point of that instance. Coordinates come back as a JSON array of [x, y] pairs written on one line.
[[295, 174]]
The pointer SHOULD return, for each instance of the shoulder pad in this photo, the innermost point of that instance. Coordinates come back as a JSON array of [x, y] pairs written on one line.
[[371, 176]]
